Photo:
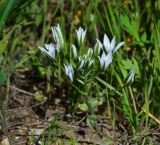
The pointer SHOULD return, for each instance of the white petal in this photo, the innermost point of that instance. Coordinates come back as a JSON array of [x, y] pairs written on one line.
[[98, 46], [43, 49], [49, 50], [69, 71], [89, 53], [83, 35], [131, 76], [54, 34], [70, 76], [57, 47], [66, 69], [74, 50], [57, 35], [101, 62], [108, 60], [118, 46], [78, 35], [103, 56], [90, 63], [99, 43], [60, 36], [106, 39], [106, 43], [81, 65], [59, 31], [72, 70], [46, 46], [113, 42]]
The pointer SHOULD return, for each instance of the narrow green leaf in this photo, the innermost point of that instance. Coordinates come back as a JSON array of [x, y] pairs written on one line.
[[2, 77]]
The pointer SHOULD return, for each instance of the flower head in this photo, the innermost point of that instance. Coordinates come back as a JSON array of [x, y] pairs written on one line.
[[98, 47], [69, 71], [91, 62], [89, 54], [74, 50], [49, 50], [81, 33], [105, 60], [131, 76], [81, 63], [86, 59], [57, 35], [110, 46]]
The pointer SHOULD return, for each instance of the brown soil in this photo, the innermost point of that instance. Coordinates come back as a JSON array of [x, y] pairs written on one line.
[[29, 121]]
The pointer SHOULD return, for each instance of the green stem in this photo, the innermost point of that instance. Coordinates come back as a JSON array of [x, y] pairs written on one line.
[[132, 97], [4, 109], [48, 81], [59, 70]]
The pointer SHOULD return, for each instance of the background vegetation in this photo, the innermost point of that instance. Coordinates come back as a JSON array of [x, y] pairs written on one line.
[[25, 25]]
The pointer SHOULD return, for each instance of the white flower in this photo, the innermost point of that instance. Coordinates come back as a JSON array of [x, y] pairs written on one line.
[[86, 59], [90, 63], [74, 50], [49, 50], [110, 46], [98, 47], [81, 62], [130, 76], [105, 60], [81, 35], [57, 35], [89, 53], [69, 71], [57, 47]]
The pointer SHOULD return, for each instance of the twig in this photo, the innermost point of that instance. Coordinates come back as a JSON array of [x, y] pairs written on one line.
[[79, 122], [28, 107], [151, 115], [22, 91]]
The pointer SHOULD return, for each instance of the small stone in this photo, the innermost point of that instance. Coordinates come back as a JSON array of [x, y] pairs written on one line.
[[5, 142]]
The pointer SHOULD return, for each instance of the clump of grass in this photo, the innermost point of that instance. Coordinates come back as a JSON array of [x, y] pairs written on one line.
[[82, 65]]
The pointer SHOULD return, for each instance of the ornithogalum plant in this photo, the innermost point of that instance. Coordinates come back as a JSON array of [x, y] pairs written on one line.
[[81, 64]]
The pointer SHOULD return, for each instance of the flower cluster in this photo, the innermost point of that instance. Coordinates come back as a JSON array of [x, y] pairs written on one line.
[[108, 49], [69, 71], [51, 50], [103, 51], [86, 60]]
